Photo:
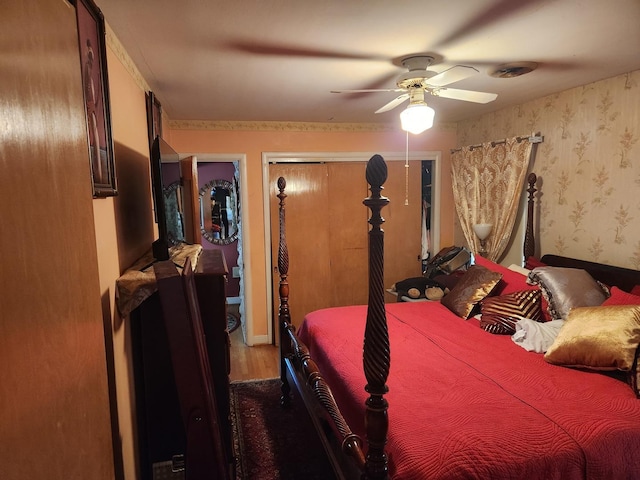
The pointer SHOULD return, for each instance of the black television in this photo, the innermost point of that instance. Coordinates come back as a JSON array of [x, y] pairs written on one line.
[[161, 152]]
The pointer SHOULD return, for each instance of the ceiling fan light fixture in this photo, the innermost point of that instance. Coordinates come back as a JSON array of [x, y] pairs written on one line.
[[417, 118]]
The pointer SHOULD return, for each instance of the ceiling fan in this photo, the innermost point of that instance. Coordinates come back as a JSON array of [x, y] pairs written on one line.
[[419, 80]]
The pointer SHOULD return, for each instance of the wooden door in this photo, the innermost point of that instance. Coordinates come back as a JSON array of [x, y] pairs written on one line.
[[307, 236], [191, 193], [327, 232], [402, 232]]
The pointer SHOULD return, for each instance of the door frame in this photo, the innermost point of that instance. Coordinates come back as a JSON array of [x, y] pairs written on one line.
[[246, 299], [269, 158]]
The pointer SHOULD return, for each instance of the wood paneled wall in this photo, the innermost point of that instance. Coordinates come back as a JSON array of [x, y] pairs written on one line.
[[54, 405]]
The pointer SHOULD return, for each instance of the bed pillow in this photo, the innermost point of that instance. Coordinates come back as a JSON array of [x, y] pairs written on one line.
[[500, 314], [517, 268], [599, 338], [567, 288], [620, 297], [511, 280], [474, 285], [533, 262]]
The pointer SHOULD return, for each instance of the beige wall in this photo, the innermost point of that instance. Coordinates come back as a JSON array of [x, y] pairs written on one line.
[[124, 231], [589, 166], [289, 138], [54, 399]]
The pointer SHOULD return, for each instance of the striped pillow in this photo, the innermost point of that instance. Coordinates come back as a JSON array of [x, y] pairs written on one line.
[[500, 314]]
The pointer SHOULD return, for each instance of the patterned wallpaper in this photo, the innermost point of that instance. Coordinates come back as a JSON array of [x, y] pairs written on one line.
[[588, 164]]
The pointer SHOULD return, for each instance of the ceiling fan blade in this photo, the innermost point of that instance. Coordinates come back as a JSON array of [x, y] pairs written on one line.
[[294, 51], [498, 13], [393, 103], [451, 75], [369, 90], [466, 95]]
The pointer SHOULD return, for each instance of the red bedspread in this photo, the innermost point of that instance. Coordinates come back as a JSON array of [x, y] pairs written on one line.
[[464, 403]]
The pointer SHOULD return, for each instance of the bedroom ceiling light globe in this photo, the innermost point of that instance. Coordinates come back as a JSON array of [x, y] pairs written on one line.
[[417, 118]]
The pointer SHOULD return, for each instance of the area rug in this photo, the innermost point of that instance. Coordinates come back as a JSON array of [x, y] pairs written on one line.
[[263, 450], [233, 322]]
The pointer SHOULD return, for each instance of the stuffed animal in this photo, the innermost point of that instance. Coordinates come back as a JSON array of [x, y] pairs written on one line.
[[434, 293]]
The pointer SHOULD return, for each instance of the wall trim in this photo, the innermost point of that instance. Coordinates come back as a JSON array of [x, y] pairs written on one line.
[[291, 126], [279, 126]]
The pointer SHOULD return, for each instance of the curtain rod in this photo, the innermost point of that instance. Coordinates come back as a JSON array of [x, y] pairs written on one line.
[[532, 139]]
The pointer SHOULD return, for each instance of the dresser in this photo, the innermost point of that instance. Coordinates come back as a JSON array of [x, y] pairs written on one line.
[[161, 434]]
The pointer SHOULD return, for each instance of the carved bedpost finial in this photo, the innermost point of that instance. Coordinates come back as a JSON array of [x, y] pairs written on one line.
[[284, 316], [376, 355], [529, 248]]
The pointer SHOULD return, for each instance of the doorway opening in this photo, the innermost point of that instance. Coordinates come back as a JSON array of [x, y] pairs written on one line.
[[215, 174]]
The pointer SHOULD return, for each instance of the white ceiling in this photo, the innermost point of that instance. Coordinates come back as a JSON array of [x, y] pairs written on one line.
[[278, 60]]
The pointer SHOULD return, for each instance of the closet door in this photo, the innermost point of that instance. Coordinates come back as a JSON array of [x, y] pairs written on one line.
[[326, 235], [327, 232], [307, 236], [402, 226]]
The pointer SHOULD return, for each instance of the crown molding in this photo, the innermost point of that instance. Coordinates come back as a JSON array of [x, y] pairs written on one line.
[[279, 126], [291, 126], [121, 54]]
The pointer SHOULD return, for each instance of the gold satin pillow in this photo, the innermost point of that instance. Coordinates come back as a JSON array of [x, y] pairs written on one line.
[[598, 338], [472, 287]]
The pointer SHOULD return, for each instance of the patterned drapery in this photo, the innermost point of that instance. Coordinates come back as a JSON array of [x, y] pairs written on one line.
[[488, 182]]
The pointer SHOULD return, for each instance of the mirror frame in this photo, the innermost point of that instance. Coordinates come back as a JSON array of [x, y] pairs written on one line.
[[206, 190]]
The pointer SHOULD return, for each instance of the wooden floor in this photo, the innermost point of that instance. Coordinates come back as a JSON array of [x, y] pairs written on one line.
[[252, 363]]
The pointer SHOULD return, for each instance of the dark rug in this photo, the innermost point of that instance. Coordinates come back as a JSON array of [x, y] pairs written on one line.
[[233, 322], [264, 449]]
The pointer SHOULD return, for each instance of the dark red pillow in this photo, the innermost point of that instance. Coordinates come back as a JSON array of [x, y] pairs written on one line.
[[620, 297], [533, 262], [511, 281], [636, 290]]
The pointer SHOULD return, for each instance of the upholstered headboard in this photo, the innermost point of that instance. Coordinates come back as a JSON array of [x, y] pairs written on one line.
[[624, 278]]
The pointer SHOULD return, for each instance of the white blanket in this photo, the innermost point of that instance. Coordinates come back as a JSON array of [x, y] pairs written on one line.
[[536, 336]]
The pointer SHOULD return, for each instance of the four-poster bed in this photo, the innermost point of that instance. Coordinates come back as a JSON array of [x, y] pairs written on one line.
[[443, 397]]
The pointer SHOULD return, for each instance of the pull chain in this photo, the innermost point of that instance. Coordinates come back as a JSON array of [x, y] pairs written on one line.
[[406, 172]]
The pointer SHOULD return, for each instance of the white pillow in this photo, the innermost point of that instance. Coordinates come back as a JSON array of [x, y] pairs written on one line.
[[519, 269]]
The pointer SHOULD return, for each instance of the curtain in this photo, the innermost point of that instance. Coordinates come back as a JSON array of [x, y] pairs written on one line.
[[488, 182]]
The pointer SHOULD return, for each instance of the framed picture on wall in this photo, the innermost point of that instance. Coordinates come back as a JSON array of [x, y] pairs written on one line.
[[154, 117], [95, 83]]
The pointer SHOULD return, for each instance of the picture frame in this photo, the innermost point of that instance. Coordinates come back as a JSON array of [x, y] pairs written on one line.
[[154, 117], [95, 86]]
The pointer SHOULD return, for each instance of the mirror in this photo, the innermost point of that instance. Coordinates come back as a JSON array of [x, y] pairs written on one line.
[[219, 212], [173, 210]]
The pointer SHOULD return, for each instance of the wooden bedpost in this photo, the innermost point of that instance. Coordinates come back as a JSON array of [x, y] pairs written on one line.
[[376, 355], [529, 248], [284, 316]]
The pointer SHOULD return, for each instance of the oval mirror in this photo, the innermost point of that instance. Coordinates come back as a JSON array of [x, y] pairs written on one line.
[[219, 212]]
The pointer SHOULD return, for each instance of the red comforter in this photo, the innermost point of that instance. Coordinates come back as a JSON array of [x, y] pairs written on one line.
[[464, 403]]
